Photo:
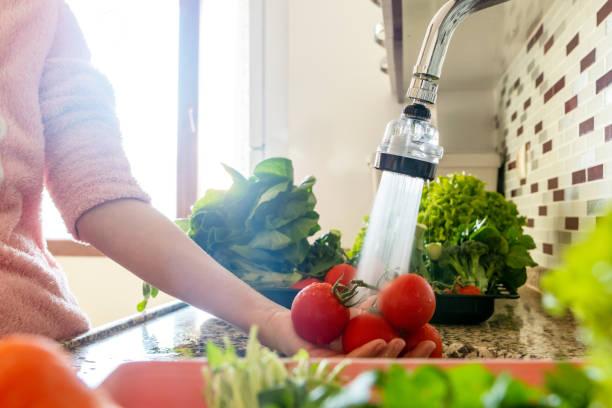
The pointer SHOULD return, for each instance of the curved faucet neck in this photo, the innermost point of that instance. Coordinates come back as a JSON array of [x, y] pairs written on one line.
[[428, 69]]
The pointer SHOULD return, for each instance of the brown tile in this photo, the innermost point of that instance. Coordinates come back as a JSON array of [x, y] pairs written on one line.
[[586, 126], [547, 249], [519, 131], [579, 177], [559, 85], [530, 223], [571, 104], [549, 44], [508, 103], [558, 195], [512, 165], [517, 83], [604, 12], [553, 183], [542, 210], [603, 82], [608, 133], [549, 94], [527, 103], [534, 188], [523, 181], [538, 127], [547, 147], [588, 60], [513, 117], [515, 192], [571, 223], [528, 146], [595, 172], [536, 36], [572, 44], [539, 79], [553, 90]]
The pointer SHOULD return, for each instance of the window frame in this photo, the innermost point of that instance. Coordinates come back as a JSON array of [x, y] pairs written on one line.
[[187, 132], [268, 110]]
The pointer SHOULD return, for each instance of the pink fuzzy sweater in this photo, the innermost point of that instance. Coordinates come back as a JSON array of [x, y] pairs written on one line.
[[57, 129]]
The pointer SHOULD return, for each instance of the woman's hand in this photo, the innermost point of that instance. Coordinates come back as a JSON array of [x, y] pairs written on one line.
[[279, 334]]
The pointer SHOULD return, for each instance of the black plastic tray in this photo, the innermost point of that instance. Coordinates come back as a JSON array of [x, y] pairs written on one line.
[[450, 308], [282, 296], [465, 309]]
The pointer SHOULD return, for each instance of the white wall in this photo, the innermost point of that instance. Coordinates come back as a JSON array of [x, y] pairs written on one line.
[[340, 103], [104, 290]]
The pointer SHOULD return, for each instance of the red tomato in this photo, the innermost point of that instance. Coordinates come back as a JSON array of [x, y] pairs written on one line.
[[408, 302], [364, 328], [317, 314], [304, 282], [344, 272], [469, 290], [426, 332]]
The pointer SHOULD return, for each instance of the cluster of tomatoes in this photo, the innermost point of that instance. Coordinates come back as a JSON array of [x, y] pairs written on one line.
[[403, 308]]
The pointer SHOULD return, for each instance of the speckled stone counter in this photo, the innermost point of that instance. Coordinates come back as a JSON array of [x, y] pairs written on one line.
[[518, 329]]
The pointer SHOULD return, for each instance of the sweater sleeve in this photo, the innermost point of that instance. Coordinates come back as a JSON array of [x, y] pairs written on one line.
[[85, 165]]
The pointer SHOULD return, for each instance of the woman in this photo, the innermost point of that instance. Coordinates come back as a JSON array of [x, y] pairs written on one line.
[[58, 129]]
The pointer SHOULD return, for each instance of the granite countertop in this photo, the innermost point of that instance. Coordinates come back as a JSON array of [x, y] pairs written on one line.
[[518, 329]]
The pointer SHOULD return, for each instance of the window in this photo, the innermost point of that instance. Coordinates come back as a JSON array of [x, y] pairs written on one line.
[[191, 81], [224, 117], [135, 44]]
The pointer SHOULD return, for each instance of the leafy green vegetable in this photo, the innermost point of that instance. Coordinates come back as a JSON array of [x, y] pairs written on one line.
[[583, 284], [451, 203], [324, 253], [261, 378], [570, 387], [259, 225], [355, 251], [468, 236], [259, 228], [148, 292], [481, 256], [464, 259]]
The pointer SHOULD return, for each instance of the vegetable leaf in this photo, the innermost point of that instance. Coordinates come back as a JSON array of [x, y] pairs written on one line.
[[325, 253]]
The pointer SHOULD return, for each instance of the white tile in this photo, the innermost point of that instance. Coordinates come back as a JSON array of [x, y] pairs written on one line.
[[604, 152], [596, 104], [581, 82], [608, 96]]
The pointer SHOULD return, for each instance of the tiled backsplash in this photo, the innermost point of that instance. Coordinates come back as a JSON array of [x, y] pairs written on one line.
[[555, 123]]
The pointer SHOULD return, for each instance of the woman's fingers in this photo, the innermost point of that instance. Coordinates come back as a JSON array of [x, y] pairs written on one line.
[[369, 350], [422, 350], [380, 349], [393, 349], [322, 353]]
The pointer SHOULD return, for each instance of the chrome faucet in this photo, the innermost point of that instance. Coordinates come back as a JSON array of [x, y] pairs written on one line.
[[427, 71]]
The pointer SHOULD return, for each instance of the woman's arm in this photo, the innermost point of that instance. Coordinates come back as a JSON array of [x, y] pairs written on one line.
[[145, 242], [142, 240]]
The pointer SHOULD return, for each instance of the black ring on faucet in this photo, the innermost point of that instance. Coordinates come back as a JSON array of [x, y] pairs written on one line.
[[405, 165]]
